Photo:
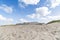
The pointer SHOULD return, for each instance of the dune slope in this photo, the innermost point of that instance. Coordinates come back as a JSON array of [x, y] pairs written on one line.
[[30, 32]]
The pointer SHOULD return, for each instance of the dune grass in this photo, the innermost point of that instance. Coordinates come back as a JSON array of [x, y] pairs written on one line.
[[54, 21]]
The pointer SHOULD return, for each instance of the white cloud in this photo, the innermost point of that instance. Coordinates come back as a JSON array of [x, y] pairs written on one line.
[[43, 11], [32, 2], [54, 17], [9, 19], [2, 18], [6, 8], [40, 12], [33, 16], [54, 3], [49, 18], [23, 20], [5, 20]]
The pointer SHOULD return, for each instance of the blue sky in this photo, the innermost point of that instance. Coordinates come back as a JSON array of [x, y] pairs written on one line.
[[18, 11]]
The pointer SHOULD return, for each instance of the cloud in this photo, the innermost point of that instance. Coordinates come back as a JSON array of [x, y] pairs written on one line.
[[9, 20], [2, 18], [33, 16], [54, 17], [6, 8], [23, 20], [49, 18], [42, 15], [54, 3], [24, 3], [40, 12], [43, 11], [31, 2], [5, 20]]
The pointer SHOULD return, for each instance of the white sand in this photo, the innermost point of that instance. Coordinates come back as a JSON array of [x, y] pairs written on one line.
[[31, 32]]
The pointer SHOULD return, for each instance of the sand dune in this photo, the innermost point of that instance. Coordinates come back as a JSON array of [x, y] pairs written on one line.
[[30, 32]]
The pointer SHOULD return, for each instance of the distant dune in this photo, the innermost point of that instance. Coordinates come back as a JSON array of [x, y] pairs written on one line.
[[30, 23], [31, 31], [54, 21]]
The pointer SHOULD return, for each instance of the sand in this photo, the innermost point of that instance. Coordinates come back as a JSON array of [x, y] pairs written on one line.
[[30, 32]]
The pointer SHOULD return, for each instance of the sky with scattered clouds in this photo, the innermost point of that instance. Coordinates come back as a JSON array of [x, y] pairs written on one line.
[[18, 11]]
